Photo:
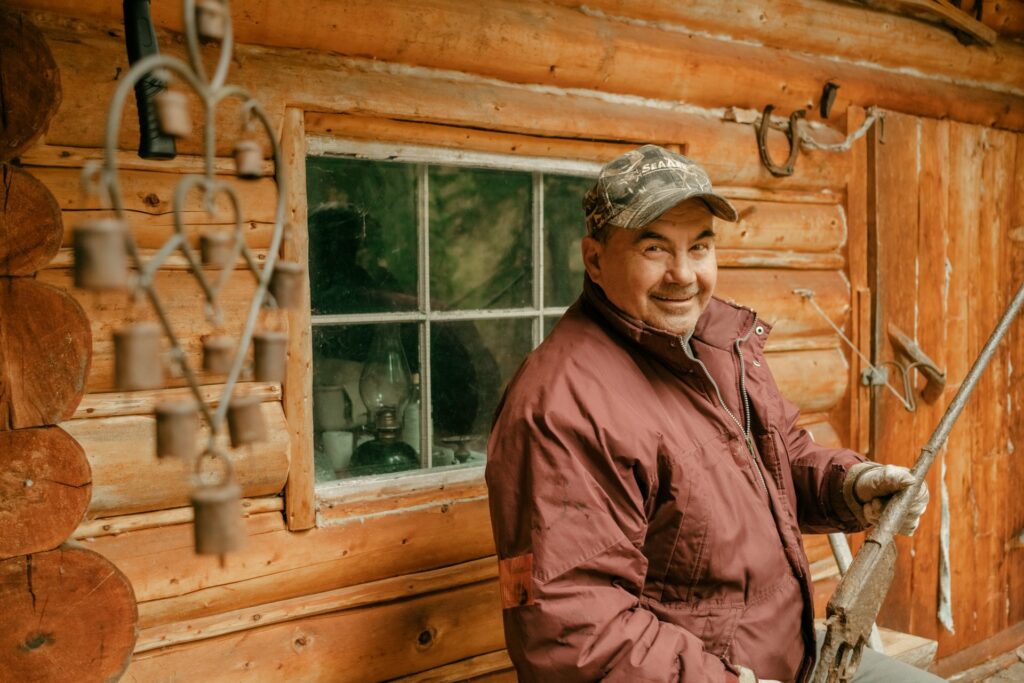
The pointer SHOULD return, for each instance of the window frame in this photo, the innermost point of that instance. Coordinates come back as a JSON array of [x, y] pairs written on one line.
[[374, 487]]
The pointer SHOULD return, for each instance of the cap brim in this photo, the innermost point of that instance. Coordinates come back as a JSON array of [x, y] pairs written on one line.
[[654, 207]]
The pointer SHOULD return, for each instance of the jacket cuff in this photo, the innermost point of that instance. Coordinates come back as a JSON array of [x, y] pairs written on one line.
[[849, 483]]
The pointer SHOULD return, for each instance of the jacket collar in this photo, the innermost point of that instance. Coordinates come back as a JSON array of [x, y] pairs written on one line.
[[720, 325]]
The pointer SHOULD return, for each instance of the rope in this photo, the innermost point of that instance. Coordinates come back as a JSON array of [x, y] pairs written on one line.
[[807, 142], [809, 296]]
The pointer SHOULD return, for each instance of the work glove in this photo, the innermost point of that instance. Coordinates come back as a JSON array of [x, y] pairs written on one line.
[[869, 486], [748, 676]]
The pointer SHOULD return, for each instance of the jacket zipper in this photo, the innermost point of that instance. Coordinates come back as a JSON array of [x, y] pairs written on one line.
[[745, 426]]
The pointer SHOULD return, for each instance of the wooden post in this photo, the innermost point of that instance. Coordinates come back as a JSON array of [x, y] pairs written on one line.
[[300, 496]]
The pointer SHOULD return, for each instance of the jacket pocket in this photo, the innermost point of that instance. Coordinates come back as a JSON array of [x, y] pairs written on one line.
[[713, 622]]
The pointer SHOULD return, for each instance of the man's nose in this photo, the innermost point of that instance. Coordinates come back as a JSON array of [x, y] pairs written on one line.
[[680, 271]]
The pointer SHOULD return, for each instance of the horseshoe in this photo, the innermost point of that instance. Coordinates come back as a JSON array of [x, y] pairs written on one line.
[[762, 142]]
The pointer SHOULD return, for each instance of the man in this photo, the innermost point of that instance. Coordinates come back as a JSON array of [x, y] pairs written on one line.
[[648, 483]]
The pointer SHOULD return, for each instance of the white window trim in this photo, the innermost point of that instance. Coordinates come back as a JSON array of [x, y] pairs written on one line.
[[386, 485]]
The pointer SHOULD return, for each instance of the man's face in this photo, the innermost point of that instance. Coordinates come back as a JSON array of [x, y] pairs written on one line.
[[662, 274]]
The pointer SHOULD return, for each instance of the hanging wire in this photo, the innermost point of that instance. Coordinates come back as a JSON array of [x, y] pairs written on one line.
[[877, 370], [807, 142]]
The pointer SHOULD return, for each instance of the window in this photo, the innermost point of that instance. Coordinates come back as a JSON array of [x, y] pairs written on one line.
[[433, 273]]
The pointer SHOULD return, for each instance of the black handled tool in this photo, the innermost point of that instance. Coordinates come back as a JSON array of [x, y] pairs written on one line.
[[140, 40]]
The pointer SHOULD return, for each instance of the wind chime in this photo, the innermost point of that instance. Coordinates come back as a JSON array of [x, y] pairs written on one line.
[[107, 258]]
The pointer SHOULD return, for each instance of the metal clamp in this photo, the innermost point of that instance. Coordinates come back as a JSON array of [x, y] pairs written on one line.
[[791, 134]]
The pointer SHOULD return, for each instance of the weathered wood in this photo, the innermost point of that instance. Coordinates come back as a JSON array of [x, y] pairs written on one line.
[[60, 156], [555, 46], [325, 82], [30, 90], [814, 380], [68, 614], [148, 520], [1014, 481], [981, 652], [300, 498], [45, 353], [65, 258], [843, 31], [45, 483], [472, 669], [770, 293], [173, 584], [109, 311], [143, 402], [939, 11], [765, 258], [377, 644], [30, 223], [128, 477], [351, 597]]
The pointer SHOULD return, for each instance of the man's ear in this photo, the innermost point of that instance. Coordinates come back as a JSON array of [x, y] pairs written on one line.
[[592, 251]]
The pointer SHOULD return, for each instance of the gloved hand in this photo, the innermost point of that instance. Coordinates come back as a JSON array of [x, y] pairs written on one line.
[[869, 486], [747, 676]]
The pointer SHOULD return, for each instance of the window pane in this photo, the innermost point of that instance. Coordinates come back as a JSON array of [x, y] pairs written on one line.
[[471, 362], [480, 239], [357, 365], [362, 235], [563, 225]]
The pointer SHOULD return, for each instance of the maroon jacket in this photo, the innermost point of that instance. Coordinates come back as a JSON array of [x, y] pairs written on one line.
[[639, 537]]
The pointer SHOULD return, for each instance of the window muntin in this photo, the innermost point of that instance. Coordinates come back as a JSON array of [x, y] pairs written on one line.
[[466, 260]]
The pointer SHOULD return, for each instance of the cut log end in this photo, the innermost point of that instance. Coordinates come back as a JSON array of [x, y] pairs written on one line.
[[30, 90], [31, 228]]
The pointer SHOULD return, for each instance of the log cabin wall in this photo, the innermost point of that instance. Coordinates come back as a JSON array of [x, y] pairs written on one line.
[[399, 581]]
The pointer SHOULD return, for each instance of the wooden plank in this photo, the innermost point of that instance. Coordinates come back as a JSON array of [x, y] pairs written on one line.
[[350, 597], [981, 652], [331, 83], [182, 298], [1014, 481], [555, 47], [300, 498], [143, 402], [932, 238], [859, 415], [368, 644], [111, 526], [472, 669], [128, 477], [173, 584]]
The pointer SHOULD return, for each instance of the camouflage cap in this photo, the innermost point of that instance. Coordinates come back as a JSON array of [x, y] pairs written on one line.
[[642, 184]]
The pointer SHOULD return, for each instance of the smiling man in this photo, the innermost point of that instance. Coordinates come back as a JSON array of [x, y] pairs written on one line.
[[648, 483]]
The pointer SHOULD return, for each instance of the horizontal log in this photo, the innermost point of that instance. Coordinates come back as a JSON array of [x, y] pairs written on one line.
[[45, 353], [30, 87], [44, 489], [814, 380], [790, 260], [148, 198], [182, 299], [377, 644], [784, 226], [173, 584], [770, 293], [536, 43], [111, 526], [30, 223], [143, 402], [68, 614], [63, 156], [128, 477], [65, 257], [821, 429], [330, 83], [351, 597], [473, 669], [841, 31]]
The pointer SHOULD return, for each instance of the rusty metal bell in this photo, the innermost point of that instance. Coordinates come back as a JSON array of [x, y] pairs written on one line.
[[218, 353], [245, 421], [217, 249], [137, 364], [211, 19], [172, 113], [248, 159], [286, 284], [101, 259], [218, 526], [270, 352], [177, 427]]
